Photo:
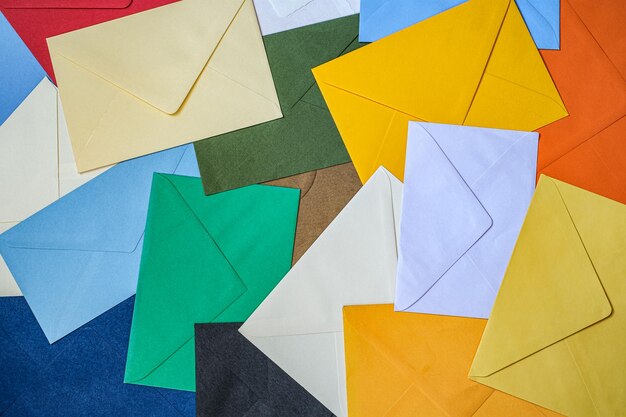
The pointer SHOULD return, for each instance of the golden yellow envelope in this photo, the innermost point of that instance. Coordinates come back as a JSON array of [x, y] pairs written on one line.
[[415, 365], [162, 78], [557, 331], [475, 64]]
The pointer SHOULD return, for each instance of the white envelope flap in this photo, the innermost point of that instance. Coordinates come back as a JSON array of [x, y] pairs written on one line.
[[28, 144], [442, 218], [187, 34], [352, 262], [66, 4]]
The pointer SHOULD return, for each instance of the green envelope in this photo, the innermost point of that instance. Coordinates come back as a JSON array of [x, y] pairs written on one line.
[[205, 259], [306, 138]]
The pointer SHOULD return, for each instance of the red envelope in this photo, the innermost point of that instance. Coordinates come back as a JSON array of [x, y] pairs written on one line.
[[588, 148], [36, 20]]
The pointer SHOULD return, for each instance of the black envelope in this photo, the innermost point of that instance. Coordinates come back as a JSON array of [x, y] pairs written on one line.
[[235, 379]]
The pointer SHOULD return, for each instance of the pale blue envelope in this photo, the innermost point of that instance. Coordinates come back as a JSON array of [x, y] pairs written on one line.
[[466, 192], [19, 70], [79, 257], [380, 18]]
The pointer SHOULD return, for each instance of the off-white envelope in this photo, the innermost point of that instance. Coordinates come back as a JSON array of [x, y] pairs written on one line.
[[162, 78], [299, 326], [37, 164]]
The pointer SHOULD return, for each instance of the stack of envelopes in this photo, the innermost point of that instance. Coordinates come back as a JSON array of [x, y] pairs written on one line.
[[316, 208]]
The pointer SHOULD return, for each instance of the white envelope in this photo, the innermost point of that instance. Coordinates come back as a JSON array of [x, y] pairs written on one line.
[[37, 164], [299, 326], [466, 193], [280, 15]]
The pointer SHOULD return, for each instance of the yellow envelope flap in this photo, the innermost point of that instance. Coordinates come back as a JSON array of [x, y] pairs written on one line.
[[436, 65], [551, 289], [157, 55], [426, 355]]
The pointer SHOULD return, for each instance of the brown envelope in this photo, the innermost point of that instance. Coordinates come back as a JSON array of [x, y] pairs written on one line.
[[323, 193]]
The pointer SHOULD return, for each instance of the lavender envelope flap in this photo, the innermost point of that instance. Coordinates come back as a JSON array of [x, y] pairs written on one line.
[[466, 193]]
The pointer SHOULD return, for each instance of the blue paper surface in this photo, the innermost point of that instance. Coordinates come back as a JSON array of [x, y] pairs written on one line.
[[19, 70], [466, 192], [80, 375], [79, 257], [380, 18]]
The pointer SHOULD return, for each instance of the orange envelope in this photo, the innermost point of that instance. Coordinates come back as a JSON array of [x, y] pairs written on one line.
[[588, 148], [474, 64], [416, 365]]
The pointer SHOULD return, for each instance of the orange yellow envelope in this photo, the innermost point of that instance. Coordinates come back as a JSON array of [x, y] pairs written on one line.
[[475, 64], [588, 148], [416, 365]]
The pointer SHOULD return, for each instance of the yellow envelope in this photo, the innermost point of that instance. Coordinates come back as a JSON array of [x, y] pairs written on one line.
[[415, 365], [162, 78], [557, 331], [475, 64]]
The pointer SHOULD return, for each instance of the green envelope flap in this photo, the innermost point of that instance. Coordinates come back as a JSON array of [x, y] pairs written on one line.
[[203, 258], [306, 138]]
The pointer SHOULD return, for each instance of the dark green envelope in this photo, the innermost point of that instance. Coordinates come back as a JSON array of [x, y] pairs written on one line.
[[306, 138]]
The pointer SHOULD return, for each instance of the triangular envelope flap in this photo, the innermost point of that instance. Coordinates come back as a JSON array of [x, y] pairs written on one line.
[[171, 294], [293, 53], [229, 348], [450, 50], [442, 218], [352, 262], [65, 4], [540, 17], [550, 291], [106, 214], [182, 35]]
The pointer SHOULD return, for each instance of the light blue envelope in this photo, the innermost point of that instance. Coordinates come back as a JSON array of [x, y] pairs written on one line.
[[79, 257], [380, 18], [543, 18], [466, 192], [19, 70]]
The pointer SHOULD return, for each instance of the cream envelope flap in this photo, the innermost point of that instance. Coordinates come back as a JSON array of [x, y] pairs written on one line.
[[352, 262], [38, 166], [555, 336], [162, 78]]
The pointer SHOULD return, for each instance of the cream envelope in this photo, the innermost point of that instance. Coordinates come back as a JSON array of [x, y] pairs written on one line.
[[162, 78], [299, 326], [37, 167]]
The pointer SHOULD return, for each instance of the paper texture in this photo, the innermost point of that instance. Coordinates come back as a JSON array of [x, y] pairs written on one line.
[[234, 378], [415, 365], [474, 64], [554, 336], [162, 78], [19, 71], [205, 259], [352, 262], [380, 18], [543, 20], [323, 194], [37, 20], [587, 149], [313, 11], [79, 376], [38, 166], [465, 196], [306, 138], [79, 256]]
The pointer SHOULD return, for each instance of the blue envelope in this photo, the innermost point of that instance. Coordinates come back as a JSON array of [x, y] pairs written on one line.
[[79, 257], [19, 70], [81, 375], [380, 18], [466, 192]]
